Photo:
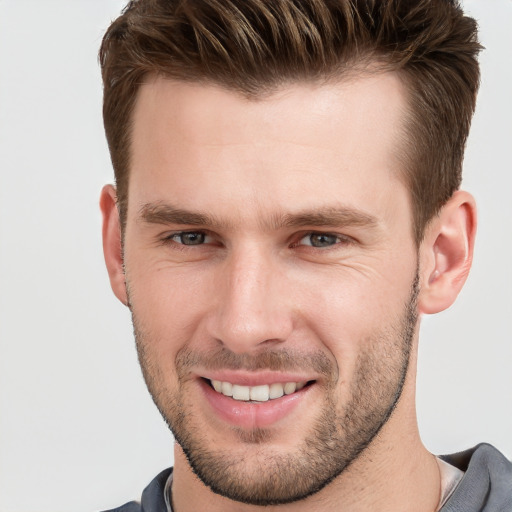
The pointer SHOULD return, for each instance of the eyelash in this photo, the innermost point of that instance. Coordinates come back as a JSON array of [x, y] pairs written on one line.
[[170, 239], [340, 239]]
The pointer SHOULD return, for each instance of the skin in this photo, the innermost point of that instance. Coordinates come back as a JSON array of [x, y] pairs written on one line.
[[260, 176]]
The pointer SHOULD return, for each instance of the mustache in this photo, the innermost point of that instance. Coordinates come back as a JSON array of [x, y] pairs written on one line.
[[274, 360]]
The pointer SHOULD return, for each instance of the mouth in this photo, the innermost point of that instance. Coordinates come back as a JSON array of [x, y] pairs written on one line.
[[259, 393], [251, 400]]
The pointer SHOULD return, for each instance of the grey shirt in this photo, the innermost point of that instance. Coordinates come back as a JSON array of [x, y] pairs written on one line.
[[487, 483], [485, 487]]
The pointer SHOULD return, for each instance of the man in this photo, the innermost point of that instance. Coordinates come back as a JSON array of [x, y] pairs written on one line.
[[286, 208]]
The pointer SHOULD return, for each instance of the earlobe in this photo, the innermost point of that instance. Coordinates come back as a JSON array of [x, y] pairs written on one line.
[[446, 253], [112, 245]]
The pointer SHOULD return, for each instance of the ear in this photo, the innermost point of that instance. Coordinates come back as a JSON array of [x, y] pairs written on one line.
[[446, 253], [112, 247]]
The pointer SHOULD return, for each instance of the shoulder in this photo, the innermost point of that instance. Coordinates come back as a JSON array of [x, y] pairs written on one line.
[[132, 506], [487, 482], [153, 498], [482, 457]]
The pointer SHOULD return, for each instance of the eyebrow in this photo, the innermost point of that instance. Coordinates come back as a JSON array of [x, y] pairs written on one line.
[[158, 213], [325, 217], [163, 213]]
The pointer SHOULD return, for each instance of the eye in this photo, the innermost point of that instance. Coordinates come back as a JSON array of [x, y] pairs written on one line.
[[320, 240], [190, 238]]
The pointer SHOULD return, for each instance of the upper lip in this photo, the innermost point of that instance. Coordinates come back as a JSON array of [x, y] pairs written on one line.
[[258, 378]]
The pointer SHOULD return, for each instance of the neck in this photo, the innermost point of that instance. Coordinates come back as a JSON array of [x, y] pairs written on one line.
[[395, 473]]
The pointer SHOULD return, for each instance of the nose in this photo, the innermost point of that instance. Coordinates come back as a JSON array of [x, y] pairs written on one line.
[[253, 305]]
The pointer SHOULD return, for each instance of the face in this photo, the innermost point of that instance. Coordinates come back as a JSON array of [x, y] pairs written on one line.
[[271, 275]]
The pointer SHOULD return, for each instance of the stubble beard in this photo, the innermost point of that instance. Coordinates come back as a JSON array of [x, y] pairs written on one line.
[[258, 475]]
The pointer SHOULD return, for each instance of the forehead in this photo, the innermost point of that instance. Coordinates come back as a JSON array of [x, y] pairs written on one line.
[[302, 144], [363, 101]]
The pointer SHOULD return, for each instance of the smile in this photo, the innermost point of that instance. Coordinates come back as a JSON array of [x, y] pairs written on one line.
[[261, 393], [251, 400]]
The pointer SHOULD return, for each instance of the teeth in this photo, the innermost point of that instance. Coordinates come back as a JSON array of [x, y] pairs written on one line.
[[227, 388], [261, 393], [241, 392], [276, 391], [290, 388]]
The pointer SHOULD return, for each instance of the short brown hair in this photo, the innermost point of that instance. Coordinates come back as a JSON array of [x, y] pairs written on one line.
[[254, 46]]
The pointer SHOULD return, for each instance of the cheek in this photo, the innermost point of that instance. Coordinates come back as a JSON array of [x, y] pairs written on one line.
[[349, 307], [167, 305]]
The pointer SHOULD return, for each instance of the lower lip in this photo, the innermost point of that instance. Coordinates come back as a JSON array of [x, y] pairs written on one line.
[[251, 415]]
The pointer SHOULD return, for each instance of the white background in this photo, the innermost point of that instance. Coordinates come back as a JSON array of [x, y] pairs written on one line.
[[78, 431]]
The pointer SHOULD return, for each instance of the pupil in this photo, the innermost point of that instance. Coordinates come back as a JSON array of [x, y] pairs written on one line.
[[192, 238], [322, 240]]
